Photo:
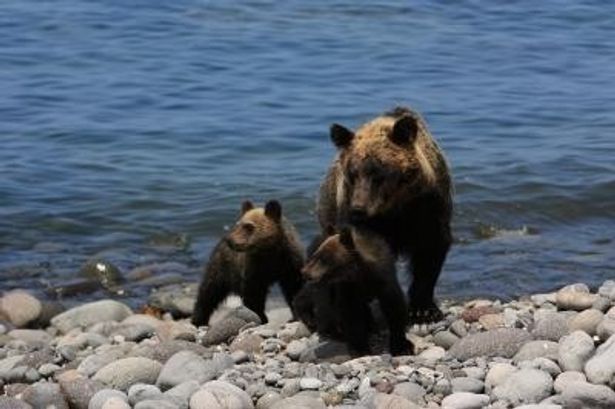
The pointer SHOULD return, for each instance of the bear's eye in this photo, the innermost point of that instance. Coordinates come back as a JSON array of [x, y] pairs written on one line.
[[248, 228]]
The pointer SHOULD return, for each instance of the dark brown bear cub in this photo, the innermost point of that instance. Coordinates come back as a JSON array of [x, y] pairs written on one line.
[[391, 178], [262, 248], [347, 272]]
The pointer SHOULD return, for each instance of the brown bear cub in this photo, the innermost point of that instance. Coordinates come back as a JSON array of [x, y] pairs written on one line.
[[345, 273], [261, 249], [391, 178]]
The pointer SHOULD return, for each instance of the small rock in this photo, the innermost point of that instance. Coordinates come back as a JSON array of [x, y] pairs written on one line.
[[326, 351], [573, 300], [181, 393], [607, 290], [503, 342], [565, 378], [157, 404], [34, 337], [115, 403], [410, 391], [89, 314], [293, 331], [491, 321], [176, 299], [229, 325], [12, 403], [443, 387], [552, 327], [310, 383], [300, 401], [185, 366], [295, 348], [104, 272], [524, 386], [45, 395], [47, 370], [467, 384], [458, 327], [102, 396], [537, 349], [465, 400], [384, 401], [220, 395], [445, 339], [574, 350], [586, 321], [77, 389], [128, 371], [93, 363], [20, 307], [587, 396], [141, 391], [606, 328], [473, 314], [267, 400], [246, 341], [601, 367], [498, 373]]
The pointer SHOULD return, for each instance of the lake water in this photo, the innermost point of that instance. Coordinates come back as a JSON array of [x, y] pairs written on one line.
[[133, 130]]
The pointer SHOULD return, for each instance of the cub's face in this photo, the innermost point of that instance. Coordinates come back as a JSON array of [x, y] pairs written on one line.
[[332, 260], [257, 228]]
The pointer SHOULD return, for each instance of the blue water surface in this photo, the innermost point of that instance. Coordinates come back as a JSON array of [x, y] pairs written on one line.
[[132, 130]]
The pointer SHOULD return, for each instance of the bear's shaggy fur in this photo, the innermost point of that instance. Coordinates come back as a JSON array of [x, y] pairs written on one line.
[[391, 177], [345, 273], [262, 248]]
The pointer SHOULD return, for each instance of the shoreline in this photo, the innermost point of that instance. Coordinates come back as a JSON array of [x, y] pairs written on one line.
[[553, 350]]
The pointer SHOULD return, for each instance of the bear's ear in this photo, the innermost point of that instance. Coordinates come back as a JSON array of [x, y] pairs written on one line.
[[404, 131], [341, 136], [329, 230], [246, 206], [273, 210], [346, 238]]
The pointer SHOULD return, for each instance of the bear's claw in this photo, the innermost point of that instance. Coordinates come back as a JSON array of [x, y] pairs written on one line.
[[425, 315]]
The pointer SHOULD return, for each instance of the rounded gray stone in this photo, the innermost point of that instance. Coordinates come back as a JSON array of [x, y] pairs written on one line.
[[465, 400], [537, 349], [141, 391], [220, 395], [20, 307], [411, 391], [565, 378], [586, 321], [185, 366], [524, 386], [102, 396], [128, 371], [551, 327], [44, 395], [12, 403], [585, 395], [89, 314], [601, 367], [157, 404], [467, 384], [502, 342], [574, 350]]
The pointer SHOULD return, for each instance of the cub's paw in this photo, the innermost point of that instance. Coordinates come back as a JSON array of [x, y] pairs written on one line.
[[425, 315]]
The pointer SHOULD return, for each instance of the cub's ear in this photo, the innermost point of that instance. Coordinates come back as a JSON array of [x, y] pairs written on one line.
[[329, 230], [346, 238], [273, 210], [341, 136], [246, 206], [404, 131]]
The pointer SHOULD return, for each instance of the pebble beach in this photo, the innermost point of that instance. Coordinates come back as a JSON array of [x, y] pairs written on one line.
[[541, 351]]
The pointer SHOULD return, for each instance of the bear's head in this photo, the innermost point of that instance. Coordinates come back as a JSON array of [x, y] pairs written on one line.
[[335, 258], [383, 164], [257, 228]]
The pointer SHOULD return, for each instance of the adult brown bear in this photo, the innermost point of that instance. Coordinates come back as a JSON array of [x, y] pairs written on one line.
[[391, 177]]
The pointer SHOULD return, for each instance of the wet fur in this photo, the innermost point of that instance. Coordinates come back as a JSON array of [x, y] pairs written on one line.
[[276, 256], [411, 206], [344, 279]]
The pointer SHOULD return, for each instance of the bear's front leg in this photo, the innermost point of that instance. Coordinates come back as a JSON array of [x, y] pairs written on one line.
[[254, 295], [427, 259]]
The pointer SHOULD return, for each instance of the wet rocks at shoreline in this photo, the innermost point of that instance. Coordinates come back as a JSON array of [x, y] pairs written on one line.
[[552, 350]]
